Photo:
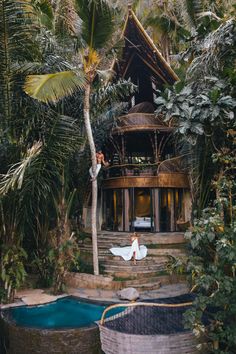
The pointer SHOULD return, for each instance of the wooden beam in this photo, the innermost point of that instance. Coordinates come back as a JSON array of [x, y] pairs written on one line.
[[156, 209], [126, 209], [157, 72], [149, 41], [172, 210], [163, 180]]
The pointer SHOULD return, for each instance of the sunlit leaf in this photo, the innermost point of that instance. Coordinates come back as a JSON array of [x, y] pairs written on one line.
[[53, 87]]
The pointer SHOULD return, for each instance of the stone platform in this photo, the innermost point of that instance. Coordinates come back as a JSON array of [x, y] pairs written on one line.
[[149, 273]]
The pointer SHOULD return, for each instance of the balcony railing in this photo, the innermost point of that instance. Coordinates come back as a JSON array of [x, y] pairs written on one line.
[[131, 170], [174, 164]]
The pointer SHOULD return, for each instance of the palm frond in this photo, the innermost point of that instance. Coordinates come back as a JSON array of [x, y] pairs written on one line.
[[111, 93], [45, 12], [36, 179], [97, 22], [215, 50], [14, 177], [189, 11], [18, 30], [53, 87], [67, 20]]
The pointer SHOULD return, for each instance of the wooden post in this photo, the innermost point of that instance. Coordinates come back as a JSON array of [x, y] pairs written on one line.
[[187, 205], [126, 210], [132, 210], [104, 207], [172, 210], [156, 209], [156, 148], [100, 212], [123, 170]]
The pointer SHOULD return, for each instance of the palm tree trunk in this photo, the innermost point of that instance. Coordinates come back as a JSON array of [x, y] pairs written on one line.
[[94, 182]]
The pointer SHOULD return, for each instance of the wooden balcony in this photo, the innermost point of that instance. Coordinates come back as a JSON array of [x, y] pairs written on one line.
[[166, 174], [162, 180]]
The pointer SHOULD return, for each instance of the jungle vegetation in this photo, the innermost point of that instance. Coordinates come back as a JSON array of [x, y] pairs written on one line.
[[56, 101]]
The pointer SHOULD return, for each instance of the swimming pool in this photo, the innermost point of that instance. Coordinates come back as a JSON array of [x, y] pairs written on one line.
[[66, 326], [68, 312]]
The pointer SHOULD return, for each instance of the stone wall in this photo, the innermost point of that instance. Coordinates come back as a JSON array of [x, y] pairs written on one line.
[[90, 281], [21, 340]]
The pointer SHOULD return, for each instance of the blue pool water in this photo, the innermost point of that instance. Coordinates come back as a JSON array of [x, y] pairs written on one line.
[[64, 313]]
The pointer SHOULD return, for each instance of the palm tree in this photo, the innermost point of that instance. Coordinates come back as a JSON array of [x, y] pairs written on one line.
[[18, 28], [36, 142], [96, 29]]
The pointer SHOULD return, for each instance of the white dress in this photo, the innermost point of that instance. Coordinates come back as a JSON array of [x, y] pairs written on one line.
[[127, 252]]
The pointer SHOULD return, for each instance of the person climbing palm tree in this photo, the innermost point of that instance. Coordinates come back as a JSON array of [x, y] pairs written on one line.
[[96, 30], [100, 161]]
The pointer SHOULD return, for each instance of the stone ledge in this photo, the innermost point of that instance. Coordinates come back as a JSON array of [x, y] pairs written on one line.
[[90, 281]]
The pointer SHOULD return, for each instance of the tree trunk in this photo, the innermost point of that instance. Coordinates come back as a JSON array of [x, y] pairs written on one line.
[[94, 182]]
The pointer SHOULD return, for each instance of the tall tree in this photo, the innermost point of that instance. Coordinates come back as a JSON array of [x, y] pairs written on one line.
[[96, 30]]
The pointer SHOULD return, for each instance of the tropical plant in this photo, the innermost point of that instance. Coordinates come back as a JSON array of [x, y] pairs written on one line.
[[43, 264], [212, 262], [203, 106], [203, 110], [62, 240], [96, 29], [36, 143], [12, 270]]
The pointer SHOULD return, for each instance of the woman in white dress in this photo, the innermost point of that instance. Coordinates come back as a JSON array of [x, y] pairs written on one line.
[[134, 251]]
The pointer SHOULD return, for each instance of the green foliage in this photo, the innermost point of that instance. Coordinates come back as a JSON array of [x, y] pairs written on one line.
[[53, 87], [199, 110], [212, 263], [12, 271], [97, 23], [51, 264], [43, 263], [18, 29], [66, 257], [44, 11], [105, 96], [203, 110], [212, 267], [203, 107]]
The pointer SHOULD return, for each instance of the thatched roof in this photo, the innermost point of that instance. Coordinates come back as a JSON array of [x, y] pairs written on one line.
[[139, 49]]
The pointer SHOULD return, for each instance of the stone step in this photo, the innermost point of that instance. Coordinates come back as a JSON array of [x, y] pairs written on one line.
[[110, 259], [130, 272], [152, 279], [127, 264], [151, 251], [167, 252], [108, 245], [134, 267], [160, 238], [148, 286], [141, 234], [139, 279], [172, 237], [125, 242], [137, 282]]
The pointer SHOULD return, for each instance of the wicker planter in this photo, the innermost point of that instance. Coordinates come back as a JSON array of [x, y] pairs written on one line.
[[148, 328], [114, 342]]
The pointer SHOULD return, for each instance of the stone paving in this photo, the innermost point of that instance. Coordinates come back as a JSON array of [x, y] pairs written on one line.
[[32, 297], [110, 295], [38, 296]]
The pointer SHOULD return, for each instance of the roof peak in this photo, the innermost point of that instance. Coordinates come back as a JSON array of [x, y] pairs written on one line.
[[148, 39]]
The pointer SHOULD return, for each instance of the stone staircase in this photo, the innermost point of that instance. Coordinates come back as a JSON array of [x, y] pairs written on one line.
[[147, 274]]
